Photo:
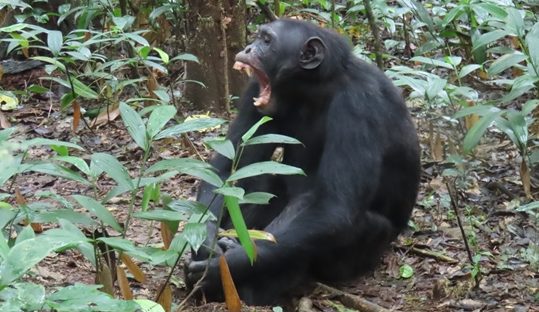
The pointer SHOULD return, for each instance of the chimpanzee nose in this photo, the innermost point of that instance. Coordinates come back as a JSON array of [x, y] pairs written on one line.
[[247, 49]]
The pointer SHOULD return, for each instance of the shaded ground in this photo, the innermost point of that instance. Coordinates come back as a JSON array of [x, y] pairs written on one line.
[[441, 279]]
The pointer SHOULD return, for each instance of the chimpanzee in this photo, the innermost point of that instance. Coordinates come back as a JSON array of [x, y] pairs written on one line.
[[360, 154]]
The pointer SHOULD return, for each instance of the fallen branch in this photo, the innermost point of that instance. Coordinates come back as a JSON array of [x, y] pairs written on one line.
[[352, 301], [429, 253]]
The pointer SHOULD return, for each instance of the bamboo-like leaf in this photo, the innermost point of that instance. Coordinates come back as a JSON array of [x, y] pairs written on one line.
[[123, 283], [232, 299], [265, 167]]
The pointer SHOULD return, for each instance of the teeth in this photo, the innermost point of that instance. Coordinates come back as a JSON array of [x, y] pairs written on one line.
[[257, 101], [248, 71]]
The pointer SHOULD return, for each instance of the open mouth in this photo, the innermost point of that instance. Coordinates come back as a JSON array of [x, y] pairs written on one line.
[[265, 89]]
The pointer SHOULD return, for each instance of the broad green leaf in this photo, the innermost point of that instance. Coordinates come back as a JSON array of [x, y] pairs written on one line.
[[22, 297], [178, 164], [42, 141], [51, 61], [430, 61], [476, 132], [529, 207], [24, 256], [67, 214], [159, 118], [135, 125], [123, 22], [232, 191], [163, 55], [55, 40], [406, 271], [249, 133], [467, 69], [189, 126], [5, 134], [435, 86], [266, 167], [26, 233], [514, 23], [6, 216], [259, 198], [114, 169], [195, 234], [505, 61], [81, 297], [120, 189], [148, 305], [160, 215], [234, 212], [222, 146], [487, 38], [83, 90], [57, 171], [186, 57], [453, 14], [99, 211], [189, 166], [137, 38], [493, 8], [532, 39], [477, 109], [271, 138], [75, 161], [254, 234], [10, 168]]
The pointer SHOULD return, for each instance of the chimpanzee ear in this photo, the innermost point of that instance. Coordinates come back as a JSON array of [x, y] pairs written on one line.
[[312, 53]]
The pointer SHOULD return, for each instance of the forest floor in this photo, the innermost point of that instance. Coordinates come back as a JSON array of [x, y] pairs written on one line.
[[505, 239]]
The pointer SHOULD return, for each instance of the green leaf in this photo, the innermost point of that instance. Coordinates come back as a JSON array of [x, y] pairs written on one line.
[[189, 126], [147, 305], [481, 110], [514, 23], [222, 146], [430, 61], [41, 141], [505, 61], [453, 14], [271, 138], [135, 125], [24, 256], [159, 118], [195, 234], [476, 132], [160, 215], [406, 271], [467, 69], [258, 198], [255, 127], [266, 167], [99, 211], [231, 191], [435, 86], [5, 134], [234, 212], [163, 55], [189, 166], [137, 38], [186, 57], [50, 60], [114, 169], [254, 234], [81, 297], [57, 171], [83, 90], [488, 38], [55, 40], [532, 40], [123, 22], [75, 161]]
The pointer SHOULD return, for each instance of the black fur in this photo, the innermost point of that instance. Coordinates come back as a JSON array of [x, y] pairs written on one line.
[[360, 154]]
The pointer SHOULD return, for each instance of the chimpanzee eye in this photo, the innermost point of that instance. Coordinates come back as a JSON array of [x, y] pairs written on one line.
[[266, 38]]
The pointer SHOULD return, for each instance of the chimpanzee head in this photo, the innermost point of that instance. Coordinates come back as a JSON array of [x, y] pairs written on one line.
[[287, 52]]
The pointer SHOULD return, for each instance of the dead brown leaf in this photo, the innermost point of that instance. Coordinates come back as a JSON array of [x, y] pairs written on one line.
[[232, 299]]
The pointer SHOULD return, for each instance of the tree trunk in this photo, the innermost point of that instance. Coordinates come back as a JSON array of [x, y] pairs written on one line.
[[215, 33]]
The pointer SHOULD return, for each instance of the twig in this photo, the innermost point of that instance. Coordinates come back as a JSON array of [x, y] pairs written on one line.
[[429, 253], [375, 34], [352, 301], [453, 195]]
